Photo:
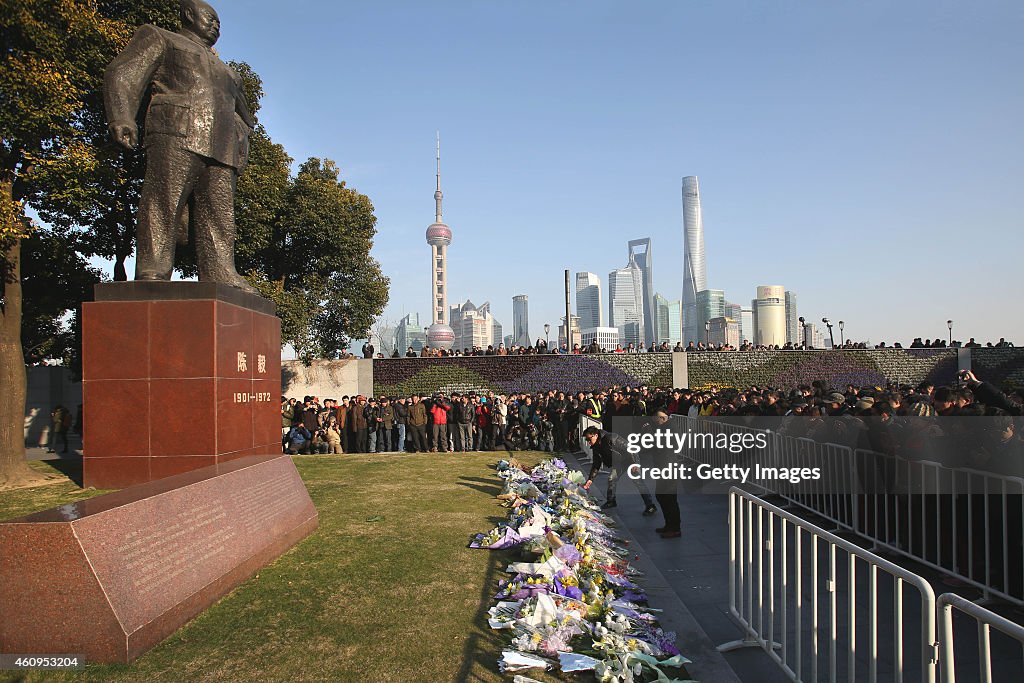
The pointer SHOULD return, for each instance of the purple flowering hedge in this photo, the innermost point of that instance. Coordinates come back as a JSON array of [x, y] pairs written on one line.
[[782, 369], [513, 374], [1002, 367], [787, 369]]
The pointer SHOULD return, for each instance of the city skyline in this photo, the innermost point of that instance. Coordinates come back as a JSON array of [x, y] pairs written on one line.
[[853, 176]]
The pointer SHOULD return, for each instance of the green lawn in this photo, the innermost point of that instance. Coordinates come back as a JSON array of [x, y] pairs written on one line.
[[400, 598]]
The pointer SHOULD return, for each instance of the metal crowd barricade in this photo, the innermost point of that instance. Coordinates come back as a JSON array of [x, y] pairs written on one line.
[[586, 421], [785, 572], [962, 522], [985, 620]]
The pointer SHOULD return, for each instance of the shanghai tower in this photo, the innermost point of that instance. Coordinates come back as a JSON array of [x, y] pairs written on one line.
[[694, 274]]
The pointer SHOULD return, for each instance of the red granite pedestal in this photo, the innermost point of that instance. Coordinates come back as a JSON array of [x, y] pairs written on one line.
[[112, 576], [176, 376]]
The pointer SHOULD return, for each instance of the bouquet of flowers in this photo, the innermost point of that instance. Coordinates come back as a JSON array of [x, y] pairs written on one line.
[[577, 604]]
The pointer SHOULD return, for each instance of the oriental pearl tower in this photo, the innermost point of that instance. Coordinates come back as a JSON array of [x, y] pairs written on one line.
[[439, 236]]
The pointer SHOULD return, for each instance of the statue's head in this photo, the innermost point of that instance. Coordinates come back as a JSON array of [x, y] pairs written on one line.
[[201, 19]]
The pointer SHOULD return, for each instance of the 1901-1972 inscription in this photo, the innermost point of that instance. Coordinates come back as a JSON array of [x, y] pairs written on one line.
[[251, 397]]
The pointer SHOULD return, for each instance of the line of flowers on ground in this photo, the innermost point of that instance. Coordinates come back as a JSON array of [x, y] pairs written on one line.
[[573, 604]]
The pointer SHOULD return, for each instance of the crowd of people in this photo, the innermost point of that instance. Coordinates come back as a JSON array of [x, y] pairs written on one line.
[[541, 347], [460, 422], [900, 419], [475, 421]]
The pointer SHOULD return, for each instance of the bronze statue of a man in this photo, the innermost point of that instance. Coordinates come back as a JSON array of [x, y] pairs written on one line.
[[197, 131]]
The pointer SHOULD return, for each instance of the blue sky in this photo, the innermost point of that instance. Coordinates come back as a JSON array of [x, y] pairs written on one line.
[[865, 155]]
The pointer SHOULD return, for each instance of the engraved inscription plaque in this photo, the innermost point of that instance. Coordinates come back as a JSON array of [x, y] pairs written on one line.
[[125, 570]]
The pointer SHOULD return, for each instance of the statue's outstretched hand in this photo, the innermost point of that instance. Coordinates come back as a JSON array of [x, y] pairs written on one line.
[[125, 134]]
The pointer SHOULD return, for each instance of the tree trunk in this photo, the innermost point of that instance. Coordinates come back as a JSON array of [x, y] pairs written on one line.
[[13, 470]]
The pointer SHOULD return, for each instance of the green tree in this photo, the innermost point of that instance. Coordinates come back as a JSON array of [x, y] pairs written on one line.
[[51, 122], [54, 52], [56, 279], [99, 216], [316, 264]]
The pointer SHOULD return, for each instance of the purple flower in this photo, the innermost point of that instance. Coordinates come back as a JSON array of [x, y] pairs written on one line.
[[568, 554]]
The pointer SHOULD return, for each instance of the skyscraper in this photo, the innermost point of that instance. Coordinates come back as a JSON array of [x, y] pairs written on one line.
[[724, 330], [410, 333], [475, 326], [439, 236], [675, 322], [735, 312], [710, 304], [793, 334], [669, 320], [770, 315], [694, 274], [625, 301], [640, 252], [520, 320], [747, 327], [661, 318], [574, 332], [588, 300]]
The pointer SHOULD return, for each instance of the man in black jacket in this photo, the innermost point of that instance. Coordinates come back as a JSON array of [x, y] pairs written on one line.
[[401, 419], [463, 427], [609, 450]]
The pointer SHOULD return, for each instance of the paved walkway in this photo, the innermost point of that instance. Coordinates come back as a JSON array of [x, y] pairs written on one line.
[[43, 453], [695, 568]]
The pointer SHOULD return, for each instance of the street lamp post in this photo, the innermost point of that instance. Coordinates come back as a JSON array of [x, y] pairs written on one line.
[[547, 329], [842, 339], [707, 335], [803, 333], [831, 337], [949, 324]]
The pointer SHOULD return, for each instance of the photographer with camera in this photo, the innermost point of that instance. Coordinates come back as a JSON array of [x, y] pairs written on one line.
[[299, 439], [439, 412]]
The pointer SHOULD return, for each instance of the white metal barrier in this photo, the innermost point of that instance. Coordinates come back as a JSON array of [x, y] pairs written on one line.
[[781, 570], [985, 621], [585, 422], [963, 522]]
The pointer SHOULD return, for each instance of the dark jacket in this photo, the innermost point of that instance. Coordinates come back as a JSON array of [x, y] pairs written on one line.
[[401, 413], [464, 413], [608, 444], [357, 418], [418, 414], [298, 436], [387, 415], [989, 395]]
